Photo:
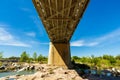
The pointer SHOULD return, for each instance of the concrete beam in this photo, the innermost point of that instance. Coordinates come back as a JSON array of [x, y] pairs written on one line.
[[59, 54]]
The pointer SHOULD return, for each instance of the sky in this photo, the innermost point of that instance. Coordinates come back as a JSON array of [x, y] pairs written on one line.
[[97, 33]]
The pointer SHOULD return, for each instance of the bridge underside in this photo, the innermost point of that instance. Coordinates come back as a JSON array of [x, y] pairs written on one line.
[[60, 19]]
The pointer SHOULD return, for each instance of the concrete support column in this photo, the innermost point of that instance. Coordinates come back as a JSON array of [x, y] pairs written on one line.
[[59, 54]]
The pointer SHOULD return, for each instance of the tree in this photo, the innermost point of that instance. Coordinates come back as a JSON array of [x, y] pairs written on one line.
[[104, 63], [1, 55], [24, 57], [95, 61], [35, 56], [107, 57], [40, 57], [118, 57], [75, 58], [110, 58], [14, 58], [92, 56]]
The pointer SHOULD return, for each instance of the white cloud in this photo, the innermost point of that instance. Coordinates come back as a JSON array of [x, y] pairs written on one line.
[[14, 43], [31, 34], [80, 43], [112, 37], [4, 35], [39, 43], [8, 39], [26, 9], [92, 44]]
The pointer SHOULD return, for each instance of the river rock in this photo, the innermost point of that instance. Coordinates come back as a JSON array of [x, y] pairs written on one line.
[[2, 68], [51, 73]]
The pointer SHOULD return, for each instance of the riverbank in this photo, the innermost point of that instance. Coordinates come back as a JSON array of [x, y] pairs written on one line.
[[47, 72]]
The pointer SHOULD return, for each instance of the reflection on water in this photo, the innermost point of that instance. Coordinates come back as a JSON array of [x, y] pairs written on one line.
[[3, 74]]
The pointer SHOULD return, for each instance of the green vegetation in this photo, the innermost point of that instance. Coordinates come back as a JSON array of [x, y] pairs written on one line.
[[1, 55], [26, 58], [35, 56], [42, 59], [105, 61]]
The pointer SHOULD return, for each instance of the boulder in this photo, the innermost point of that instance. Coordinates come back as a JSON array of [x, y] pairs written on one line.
[[2, 68]]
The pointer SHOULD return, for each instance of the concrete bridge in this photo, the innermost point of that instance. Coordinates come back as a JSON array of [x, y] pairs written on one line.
[[60, 19]]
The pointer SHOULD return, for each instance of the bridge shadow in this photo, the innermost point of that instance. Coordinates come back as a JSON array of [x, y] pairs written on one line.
[[81, 69], [86, 73], [64, 53]]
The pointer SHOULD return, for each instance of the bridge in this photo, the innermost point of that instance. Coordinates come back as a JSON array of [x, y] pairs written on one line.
[[60, 19]]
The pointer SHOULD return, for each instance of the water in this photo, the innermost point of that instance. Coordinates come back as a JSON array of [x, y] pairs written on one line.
[[3, 74]]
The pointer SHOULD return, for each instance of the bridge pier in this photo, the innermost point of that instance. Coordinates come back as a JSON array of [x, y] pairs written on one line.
[[59, 54]]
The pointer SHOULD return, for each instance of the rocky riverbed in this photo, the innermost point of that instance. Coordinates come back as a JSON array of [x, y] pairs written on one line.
[[46, 72]]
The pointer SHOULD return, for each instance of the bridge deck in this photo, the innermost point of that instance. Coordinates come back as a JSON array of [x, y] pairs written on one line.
[[60, 17]]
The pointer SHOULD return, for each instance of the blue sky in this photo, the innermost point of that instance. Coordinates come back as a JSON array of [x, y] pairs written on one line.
[[21, 30]]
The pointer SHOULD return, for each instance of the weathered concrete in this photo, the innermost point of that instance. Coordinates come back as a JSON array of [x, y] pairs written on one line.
[[59, 54]]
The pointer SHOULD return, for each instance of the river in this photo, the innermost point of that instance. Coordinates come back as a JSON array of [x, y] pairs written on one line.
[[3, 74]]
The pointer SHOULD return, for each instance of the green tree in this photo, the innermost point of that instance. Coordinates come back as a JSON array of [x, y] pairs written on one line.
[[35, 56], [107, 57], [117, 63], [40, 57], [118, 57], [110, 58], [76, 58], [95, 61], [92, 56], [84, 60], [1, 55], [14, 58], [24, 57], [104, 63]]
